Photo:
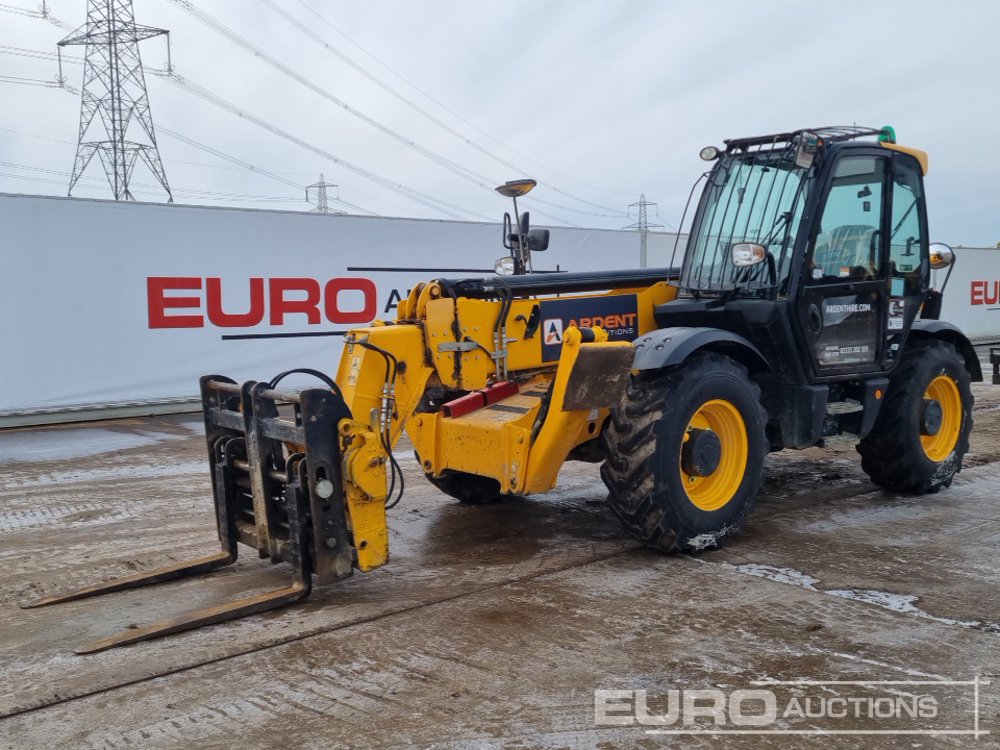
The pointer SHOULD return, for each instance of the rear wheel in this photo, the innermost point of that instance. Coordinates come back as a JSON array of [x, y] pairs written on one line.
[[922, 431], [685, 453]]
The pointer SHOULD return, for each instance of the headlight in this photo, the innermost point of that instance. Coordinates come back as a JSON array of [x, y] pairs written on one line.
[[504, 266]]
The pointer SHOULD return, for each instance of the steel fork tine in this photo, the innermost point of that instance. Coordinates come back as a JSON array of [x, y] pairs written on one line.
[[207, 616], [157, 575]]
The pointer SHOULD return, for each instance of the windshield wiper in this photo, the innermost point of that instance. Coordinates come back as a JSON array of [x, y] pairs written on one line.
[[782, 220]]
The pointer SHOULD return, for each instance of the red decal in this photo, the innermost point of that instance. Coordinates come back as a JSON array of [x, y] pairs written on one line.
[[159, 303], [978, 292], [216, 315], [985, 292], [281, 306], [332, 293]]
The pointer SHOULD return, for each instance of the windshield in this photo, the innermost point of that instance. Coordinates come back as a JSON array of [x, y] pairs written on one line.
[[754, 196]]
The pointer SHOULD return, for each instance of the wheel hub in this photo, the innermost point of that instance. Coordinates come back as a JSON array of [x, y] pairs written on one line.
[[701, 453], [931, 417]]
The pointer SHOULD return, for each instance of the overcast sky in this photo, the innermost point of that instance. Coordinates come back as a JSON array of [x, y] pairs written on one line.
[[599, 101]]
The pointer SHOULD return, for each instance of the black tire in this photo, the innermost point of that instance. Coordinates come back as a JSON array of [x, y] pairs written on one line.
[[469, 489], [893, 454], [643, 443]]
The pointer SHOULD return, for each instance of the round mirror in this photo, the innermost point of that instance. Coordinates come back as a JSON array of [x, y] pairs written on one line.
[[942, 255]]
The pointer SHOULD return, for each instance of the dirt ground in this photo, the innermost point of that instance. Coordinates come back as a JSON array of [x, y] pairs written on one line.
[[492, 626]]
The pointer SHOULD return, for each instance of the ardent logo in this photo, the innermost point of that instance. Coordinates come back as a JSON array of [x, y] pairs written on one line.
[[553, 328], [616, 314], [625, 321]]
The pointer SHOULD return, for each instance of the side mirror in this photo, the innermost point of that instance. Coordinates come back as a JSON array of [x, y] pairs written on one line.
[[538, 240], [504, 266], [942, 255], [745, 254], [523, 223]]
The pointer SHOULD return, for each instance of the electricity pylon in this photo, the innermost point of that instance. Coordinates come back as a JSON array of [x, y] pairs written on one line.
[[643, 226], [322, 199], [114, 99]]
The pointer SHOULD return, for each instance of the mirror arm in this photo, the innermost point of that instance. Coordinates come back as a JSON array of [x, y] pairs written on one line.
[[947, 276], [522, 257]]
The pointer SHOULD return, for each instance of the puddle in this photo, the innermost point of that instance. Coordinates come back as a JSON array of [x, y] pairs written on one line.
[[59, 445], [903, 603]]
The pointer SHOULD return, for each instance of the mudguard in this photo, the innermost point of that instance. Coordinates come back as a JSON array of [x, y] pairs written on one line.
[[667, 347], [949, 332]]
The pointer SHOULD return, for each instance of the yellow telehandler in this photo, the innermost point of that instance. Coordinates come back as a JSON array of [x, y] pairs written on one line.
[[803, 308]]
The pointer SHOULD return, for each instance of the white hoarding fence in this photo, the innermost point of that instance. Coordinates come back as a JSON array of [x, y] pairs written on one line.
[[112, 304], [107, 304], [972, 297]]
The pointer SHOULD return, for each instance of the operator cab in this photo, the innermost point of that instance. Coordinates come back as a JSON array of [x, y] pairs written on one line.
[[812, 240]]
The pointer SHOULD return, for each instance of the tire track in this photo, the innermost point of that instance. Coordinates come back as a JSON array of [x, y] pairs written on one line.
[[84, 514], [311, 633]]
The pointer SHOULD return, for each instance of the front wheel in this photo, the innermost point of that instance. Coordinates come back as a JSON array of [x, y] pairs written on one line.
[[922, 431], [685, 453]]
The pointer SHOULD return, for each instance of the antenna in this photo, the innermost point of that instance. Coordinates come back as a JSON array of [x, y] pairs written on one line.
[[643, 226], [114, 95], [322, 200]]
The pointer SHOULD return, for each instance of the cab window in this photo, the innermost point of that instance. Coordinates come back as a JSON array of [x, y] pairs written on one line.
[[847, 241]]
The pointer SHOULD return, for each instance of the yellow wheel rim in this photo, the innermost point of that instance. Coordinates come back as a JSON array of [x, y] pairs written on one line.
[[715, 490], [944, 390]]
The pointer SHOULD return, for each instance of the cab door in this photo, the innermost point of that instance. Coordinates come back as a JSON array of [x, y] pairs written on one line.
[[843, 301]]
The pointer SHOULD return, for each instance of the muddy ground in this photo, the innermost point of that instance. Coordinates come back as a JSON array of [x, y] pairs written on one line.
[[493, 626]]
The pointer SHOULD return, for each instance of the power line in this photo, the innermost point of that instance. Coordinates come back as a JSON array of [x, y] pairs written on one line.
[[415, 195], [458, 116], [37, 54], [227, 32], [416, 107], [148, 188], [34, 135], [20, 11], [424, 199], [273, 174], [245, 165], [239, 163], [29, 81], [411, 193]]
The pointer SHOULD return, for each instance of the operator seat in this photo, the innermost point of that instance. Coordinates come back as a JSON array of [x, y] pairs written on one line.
[[846, 252]]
